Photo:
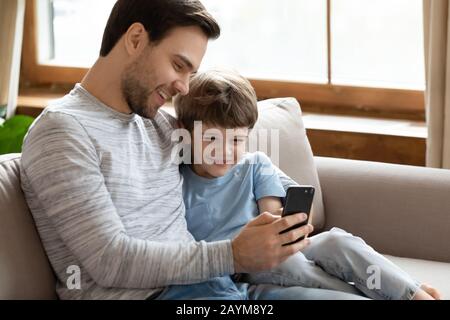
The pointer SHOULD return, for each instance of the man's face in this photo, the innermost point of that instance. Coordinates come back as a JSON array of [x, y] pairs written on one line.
[[162, 71]]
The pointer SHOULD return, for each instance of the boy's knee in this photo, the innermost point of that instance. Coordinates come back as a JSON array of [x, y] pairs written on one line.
[[338, 239]]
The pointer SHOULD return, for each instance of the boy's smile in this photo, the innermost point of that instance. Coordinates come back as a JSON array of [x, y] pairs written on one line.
[[221, 149]]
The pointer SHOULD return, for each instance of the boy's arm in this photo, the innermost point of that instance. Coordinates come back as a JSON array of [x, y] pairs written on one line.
[[268, 187], [269, 204]]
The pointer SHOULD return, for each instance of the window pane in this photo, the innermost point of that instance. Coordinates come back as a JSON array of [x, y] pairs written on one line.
[[378, 43], [374, 43], [265, 39], [77, 29]]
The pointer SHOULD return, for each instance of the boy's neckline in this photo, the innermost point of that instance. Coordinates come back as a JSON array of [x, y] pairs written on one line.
[[235, 170], [215, 180], [196, 171]]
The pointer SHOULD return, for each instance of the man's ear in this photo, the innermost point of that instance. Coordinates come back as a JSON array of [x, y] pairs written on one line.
[[136, 39]]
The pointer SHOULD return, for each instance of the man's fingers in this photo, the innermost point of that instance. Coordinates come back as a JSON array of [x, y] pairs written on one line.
[[289, 221], [262, 219], [295, 234], [291, 249]]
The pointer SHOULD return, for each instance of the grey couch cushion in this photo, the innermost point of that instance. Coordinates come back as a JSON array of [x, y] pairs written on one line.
[[24, 269]]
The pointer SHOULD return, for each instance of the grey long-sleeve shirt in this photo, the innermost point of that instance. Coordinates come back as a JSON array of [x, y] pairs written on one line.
[[107, 198]]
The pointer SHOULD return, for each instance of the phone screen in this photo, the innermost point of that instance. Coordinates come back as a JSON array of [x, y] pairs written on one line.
[[299, 199]]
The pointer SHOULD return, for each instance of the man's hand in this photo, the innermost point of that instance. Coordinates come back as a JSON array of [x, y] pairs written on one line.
[[259, 245]]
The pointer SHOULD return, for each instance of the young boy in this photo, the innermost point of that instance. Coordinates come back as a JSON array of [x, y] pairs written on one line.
[[228, 188]]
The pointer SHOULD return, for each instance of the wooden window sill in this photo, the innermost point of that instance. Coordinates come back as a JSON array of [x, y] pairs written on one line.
[[33, 104], [342, 136], [391, 127]]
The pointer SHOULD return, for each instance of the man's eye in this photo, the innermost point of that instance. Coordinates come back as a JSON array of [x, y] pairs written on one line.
[[177, 66]]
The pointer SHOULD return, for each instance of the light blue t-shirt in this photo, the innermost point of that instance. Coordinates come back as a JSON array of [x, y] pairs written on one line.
[[216, 209]]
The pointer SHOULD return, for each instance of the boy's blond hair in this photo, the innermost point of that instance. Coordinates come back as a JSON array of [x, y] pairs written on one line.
[[220, 98]]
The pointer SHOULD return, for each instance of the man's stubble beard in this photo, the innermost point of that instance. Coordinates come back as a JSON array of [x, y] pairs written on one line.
[[135, 86]]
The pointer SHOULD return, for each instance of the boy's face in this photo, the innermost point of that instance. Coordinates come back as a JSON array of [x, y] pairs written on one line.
[[221, 149]]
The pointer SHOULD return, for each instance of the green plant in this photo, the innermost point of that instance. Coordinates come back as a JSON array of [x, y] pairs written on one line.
[[12, 133]]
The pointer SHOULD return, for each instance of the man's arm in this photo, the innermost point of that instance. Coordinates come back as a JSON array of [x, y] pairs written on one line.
[[260, 246], [261, 237], [274, 205], [61, 167]]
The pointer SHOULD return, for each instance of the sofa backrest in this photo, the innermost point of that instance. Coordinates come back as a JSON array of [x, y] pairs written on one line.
[[295, 156], [25, 272]]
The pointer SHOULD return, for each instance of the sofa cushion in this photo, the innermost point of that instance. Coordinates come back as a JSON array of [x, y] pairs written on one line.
[[436, 274], [295, 156], [24, 269]]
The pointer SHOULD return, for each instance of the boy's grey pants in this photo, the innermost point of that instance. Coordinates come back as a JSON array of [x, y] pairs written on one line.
[[338, 260]]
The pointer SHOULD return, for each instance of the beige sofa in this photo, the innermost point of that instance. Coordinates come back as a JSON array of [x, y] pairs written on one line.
[[402, 211]]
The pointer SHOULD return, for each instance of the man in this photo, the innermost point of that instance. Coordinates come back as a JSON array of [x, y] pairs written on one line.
[[97, 175]]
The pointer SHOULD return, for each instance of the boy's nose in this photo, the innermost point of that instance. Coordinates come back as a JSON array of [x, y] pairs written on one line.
[[229, 149]]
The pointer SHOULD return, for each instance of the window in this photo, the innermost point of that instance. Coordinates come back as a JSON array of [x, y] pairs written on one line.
[[362, 54], [373, 43], [283, 40], [70, 31], [378, 43]]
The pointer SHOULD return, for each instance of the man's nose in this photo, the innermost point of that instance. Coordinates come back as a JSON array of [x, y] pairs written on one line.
[[182, 86]]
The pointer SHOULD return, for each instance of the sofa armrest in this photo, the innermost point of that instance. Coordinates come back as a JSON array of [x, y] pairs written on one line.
[[398, 210]]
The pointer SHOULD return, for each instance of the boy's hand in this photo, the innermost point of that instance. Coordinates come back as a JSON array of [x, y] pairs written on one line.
[[259, 245]]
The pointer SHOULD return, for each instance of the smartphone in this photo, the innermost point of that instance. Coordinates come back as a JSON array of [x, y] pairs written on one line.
[[299, 199]]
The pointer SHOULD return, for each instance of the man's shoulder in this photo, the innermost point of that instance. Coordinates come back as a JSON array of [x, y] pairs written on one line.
[[53, 119], [74, 111], [73, 106], [165, 121], [61, 122]]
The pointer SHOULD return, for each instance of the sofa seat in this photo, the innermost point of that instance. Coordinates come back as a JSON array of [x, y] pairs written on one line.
[[426, 271]]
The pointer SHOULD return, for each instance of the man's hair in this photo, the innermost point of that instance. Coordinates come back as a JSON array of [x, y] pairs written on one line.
[[158, 17], [219, 98]]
